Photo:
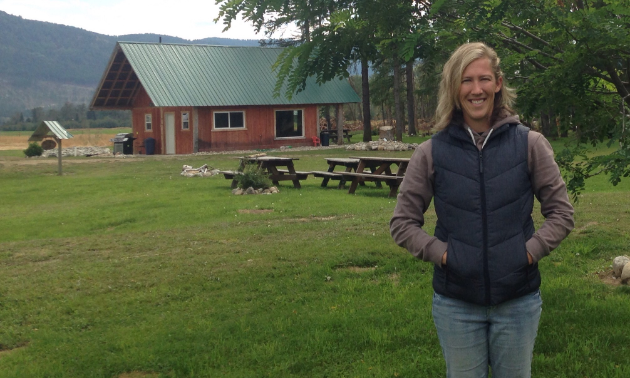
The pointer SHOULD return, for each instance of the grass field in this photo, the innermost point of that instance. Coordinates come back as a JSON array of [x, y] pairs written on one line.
[[123, 268]]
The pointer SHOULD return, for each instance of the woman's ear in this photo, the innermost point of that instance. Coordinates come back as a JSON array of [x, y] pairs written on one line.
[[499, 84]]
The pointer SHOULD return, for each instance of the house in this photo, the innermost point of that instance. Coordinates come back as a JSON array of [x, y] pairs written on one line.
[[195, 98]]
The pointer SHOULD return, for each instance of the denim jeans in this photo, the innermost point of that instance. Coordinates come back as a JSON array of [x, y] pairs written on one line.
[[475, 337]]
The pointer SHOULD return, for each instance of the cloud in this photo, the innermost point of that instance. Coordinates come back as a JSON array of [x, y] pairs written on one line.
[[189, 19]]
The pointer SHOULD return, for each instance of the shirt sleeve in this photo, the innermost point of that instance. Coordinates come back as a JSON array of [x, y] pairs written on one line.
[[551, 192], [414, 198]]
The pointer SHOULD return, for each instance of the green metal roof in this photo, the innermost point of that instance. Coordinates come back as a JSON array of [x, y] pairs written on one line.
[[49, 129], [201, 75]]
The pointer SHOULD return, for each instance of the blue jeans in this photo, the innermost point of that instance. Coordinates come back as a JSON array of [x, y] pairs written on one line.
[[475, 337]]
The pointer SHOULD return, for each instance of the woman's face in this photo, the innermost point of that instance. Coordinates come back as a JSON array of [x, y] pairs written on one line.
[[476, 93]]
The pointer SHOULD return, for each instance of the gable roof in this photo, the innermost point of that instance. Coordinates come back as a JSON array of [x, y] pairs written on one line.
[[202, 75], [49, 129]]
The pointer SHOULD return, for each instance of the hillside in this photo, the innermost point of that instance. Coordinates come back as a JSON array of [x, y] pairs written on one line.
[[46, 64]]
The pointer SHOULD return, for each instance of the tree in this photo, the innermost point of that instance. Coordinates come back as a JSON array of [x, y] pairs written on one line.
[[567, 58]]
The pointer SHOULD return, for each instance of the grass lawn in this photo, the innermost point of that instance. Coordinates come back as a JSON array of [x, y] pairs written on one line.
[[124, 268]]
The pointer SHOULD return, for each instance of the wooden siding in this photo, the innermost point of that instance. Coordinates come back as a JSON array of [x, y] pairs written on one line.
[[259, 129], [259, 132]]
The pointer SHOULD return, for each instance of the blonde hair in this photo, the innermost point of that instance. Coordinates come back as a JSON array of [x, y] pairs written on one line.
[[449, 107]]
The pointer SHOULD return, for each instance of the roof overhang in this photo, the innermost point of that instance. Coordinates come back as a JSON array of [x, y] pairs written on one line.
[[49, 129], [118, 86]]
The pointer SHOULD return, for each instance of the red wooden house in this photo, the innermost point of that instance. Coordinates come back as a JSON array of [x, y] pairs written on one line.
[[192, 98]]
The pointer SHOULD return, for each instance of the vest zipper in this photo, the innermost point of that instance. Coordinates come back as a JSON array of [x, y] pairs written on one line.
[[484, 225], [484, 216]]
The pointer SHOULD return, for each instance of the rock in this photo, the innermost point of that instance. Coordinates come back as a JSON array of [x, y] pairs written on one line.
[[273, 189], [618, 263], [266, 191], [625, 274], [237, 191], [250, 190]]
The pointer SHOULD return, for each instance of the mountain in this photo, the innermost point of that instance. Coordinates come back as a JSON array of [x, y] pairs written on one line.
[[46, 64]]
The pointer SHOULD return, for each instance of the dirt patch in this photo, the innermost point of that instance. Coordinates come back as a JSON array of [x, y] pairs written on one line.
[[138, 374], [608, 278], [255, 211], [314, 219], [395, 278], [586, 226], [357, 269], [6, 352]]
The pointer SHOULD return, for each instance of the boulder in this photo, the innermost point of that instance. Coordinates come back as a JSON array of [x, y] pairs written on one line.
[[625, 274], [618, 263], [250, 190]]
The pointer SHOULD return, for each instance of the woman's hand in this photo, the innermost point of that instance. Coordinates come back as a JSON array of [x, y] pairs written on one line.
[[530, 260], [444, 258]]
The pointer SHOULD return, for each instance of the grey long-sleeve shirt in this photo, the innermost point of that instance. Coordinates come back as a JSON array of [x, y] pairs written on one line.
[[416, 193]]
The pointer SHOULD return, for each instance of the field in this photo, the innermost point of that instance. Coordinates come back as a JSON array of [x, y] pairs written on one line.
[[123, 268], [18, 140]]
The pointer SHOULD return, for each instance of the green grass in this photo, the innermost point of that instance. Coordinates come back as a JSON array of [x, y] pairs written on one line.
[[123, 265]]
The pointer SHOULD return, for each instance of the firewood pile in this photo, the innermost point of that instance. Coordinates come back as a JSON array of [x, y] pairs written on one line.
[[203, 171]]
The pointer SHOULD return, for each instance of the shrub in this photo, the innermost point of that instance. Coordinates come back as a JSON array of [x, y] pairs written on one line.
[[33, 149], [253, 176]]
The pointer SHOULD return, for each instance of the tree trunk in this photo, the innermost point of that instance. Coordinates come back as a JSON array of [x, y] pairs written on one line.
[[339, 116], [547, 124], [365, 85], [397, 102], [411, 103]]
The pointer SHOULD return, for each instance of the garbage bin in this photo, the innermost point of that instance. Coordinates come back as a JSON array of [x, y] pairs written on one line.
[[324, 138], [149, 146]]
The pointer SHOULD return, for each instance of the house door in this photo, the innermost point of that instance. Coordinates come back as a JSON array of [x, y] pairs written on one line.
[[169, 132]]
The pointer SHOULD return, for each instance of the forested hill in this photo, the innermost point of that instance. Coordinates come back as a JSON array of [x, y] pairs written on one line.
[[46, 64]]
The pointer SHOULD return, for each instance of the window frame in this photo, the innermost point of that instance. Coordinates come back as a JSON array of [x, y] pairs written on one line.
[[150, 123], [229, 128], [187, 120], [275, 120]]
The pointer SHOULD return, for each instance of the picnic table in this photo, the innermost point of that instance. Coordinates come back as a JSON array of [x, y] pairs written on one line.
[[381, 170], [333, 135], [349, 164], [270, 165]]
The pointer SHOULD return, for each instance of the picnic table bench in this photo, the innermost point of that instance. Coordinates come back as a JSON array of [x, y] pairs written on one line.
[[380, 168], [349, 164], [270, 164]]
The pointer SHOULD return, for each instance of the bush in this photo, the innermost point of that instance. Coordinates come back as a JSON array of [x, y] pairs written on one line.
[[33, 149], [254, 177]]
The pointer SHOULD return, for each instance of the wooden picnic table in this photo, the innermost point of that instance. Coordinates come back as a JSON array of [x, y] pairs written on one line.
[[270, 165], [381, 170], [349, 164], [333, 135]]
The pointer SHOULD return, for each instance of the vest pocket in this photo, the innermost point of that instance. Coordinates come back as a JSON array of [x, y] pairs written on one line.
[[464, 264]]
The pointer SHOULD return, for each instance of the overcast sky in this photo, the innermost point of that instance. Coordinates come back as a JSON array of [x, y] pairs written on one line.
[[189, 19]]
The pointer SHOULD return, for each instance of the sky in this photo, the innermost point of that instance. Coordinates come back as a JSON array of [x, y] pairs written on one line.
[[189, 19]]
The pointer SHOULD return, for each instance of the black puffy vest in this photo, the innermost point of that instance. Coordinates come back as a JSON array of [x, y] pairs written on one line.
[[484, 201]]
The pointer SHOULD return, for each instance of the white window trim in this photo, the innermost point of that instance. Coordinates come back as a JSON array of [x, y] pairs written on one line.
[[230, 128], [182, 120], [145, 122], [291, 137]]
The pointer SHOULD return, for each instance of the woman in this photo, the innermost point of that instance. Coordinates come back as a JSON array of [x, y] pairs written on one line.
[[483, 170]]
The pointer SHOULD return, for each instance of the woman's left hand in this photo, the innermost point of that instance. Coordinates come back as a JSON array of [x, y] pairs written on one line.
[[530, 260]]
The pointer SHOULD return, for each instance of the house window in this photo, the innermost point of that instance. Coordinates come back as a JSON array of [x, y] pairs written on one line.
[[229, 120], [289, 124], [185, 123], [147, 122]]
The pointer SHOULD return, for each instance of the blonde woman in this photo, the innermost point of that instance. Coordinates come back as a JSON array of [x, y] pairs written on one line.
[[483, 170]]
